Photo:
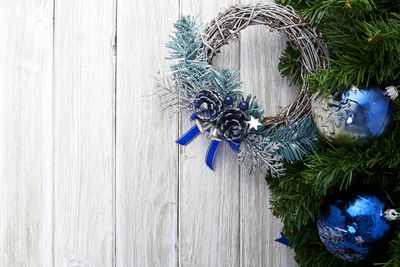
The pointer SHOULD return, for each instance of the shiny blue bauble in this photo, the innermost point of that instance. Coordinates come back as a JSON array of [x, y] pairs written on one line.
[[361, 114], [354, 224]]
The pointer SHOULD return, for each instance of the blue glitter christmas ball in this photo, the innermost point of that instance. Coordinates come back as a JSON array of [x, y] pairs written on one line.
[[354, 224], [358, 116]]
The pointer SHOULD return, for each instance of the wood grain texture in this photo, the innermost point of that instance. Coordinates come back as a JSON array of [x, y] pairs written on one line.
[[259, 57], [147, 157], [89, 170], [208, 200], [84, 86], [26, 29]]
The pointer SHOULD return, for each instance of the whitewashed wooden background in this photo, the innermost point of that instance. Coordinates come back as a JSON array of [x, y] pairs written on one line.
[[89, 171]]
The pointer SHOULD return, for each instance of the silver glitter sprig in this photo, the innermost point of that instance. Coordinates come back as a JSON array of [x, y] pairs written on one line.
[[171, 96], [259, 153]]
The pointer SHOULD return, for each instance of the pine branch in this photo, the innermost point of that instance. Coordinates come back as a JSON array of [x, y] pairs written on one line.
[[186, 41], [290, 64], [254, 109], [226, 81], [363, 42], [295, 141], [395, 252], [364, 45]]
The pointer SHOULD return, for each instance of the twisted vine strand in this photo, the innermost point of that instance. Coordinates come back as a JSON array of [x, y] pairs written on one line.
[[227, 25]]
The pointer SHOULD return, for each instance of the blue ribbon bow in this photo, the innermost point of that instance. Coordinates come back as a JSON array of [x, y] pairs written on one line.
[[201, 127], [283, 240]]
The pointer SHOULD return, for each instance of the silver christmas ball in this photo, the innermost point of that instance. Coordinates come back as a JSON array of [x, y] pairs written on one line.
[[358, 116]]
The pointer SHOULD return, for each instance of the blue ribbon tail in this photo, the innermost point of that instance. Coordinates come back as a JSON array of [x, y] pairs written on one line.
[[212, 150], [234, 145], [283, 240], [193, 116], [189, 136]]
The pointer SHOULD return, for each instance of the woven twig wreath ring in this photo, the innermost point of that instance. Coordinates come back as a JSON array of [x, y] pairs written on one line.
[[223, 112], [226, 26]]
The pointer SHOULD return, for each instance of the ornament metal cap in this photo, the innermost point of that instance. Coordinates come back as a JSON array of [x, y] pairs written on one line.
[[391, 215], [392, 92]]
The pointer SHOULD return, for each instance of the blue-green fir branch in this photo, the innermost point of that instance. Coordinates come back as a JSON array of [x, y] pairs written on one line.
[[186, 40], [194, 72], [226, 81], [296, 141], [254, 109]]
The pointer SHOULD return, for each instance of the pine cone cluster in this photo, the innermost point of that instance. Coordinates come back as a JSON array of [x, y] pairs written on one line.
[[232, 124], [208, 105]]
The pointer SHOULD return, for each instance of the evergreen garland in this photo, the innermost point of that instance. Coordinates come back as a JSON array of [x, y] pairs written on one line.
[[363, 37]]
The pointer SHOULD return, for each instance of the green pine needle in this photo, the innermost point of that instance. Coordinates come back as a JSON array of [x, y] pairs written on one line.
[[363, 38]]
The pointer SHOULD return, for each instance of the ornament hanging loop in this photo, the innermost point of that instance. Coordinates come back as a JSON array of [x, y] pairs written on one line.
[[391, 215]]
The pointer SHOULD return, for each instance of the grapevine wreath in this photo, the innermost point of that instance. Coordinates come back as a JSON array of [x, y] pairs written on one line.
[[219, 108], [338, 188]]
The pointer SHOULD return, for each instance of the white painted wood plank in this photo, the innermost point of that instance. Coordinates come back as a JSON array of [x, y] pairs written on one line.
[[260, 52], [26, 53], [84, 86], [147, 157], [209, 200]]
